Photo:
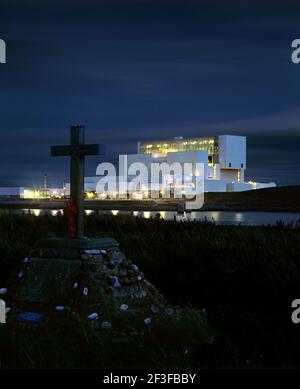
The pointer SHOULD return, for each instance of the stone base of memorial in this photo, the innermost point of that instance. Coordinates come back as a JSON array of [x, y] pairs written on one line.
[[87, 278]]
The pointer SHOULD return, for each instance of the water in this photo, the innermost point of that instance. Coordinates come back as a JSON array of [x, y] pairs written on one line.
[[229, 218], [219, 217]]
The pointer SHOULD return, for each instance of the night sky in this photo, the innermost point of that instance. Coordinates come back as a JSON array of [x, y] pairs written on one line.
[[135, 70]]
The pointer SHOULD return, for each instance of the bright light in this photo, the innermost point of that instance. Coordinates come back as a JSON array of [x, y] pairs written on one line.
[[55, 212], [31, 194], [115, 212], [102, 196], [90, 195], [137, 196]]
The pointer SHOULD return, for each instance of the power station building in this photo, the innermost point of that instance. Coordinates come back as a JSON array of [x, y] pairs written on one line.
[[224, 158]]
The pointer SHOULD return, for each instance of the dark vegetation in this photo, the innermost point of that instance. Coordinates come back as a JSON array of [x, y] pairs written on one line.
[[245, 278]]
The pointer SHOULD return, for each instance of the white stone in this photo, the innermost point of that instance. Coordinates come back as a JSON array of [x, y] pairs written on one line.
[[134, 268], [124, 307], [116, 282], [3, 291], [85, 291], [93, 316], [92, 251], [154, 309], [147, 321]]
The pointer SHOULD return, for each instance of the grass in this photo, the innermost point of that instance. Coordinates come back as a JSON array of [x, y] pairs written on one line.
[[172, 342], [244, 277], [286, 198]]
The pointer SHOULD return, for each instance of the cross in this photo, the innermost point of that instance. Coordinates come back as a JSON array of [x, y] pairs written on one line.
[[77, 151]]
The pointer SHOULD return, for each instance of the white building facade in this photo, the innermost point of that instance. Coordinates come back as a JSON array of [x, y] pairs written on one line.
[[224, 158]]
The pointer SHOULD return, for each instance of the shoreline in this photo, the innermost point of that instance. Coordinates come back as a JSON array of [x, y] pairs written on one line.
[[249, 209], [280, 199]]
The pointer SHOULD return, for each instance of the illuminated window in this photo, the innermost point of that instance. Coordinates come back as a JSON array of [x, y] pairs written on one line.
[[163, 147]]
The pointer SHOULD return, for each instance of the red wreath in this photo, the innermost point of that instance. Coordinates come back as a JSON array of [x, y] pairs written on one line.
[[71, 213]]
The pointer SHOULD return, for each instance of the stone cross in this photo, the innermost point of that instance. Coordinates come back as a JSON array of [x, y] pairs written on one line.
[[77, 150]]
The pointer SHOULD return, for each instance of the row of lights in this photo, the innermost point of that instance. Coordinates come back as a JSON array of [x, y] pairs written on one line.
[[146, 214]]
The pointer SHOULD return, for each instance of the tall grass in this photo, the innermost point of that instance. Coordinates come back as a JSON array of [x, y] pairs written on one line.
[[244, 277], [172, 342]]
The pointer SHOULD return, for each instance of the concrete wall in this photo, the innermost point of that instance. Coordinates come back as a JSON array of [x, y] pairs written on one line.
[[238, 187], [263, 185], [229, 175], [196, 156], [232, 151], [214, 186]]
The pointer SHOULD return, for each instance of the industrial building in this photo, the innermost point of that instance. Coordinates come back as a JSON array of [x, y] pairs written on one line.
[[224, 158], [16, 193]]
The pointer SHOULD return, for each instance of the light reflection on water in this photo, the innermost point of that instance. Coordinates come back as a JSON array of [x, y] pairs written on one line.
[[218, 217], [229, 218]]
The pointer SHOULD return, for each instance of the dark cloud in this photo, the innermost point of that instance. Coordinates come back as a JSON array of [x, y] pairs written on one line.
[[133, 69]]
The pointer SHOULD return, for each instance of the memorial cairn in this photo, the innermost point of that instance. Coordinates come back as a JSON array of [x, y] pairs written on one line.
[[86, 277]]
